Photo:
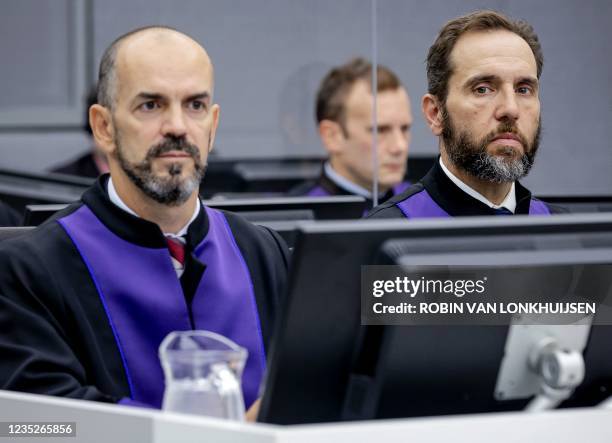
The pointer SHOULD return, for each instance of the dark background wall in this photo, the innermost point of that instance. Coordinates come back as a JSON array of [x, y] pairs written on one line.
[[269, 57]]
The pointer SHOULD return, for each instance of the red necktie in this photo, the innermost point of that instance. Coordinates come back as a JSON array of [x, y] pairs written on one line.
[[177, 249]]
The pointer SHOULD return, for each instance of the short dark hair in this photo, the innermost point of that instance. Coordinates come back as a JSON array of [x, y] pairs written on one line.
[[337, 84], [439, 69], [107, 74]]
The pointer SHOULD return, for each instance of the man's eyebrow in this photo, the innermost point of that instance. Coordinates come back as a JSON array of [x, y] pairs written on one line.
[[532, 81], [204, 96], [149, 96], [487, 78], [381, 127], [480, 79]]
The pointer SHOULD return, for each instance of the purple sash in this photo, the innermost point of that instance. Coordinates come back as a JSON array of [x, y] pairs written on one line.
[[537, 207], [401, 187], [319, 191], [421, 205], [144, 301]]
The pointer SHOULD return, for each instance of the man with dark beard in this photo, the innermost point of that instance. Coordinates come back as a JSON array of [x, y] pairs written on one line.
[[86, 298], [483, 75]]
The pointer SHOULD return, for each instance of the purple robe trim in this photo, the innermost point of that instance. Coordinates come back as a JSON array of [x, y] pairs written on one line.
[[401, 187], [536, 207], [317, 191], [144, 301], [125, 401], [225, 300], [421, 205]]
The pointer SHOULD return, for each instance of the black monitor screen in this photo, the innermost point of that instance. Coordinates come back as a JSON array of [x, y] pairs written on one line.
[[317, 370], [271, 209], [19, 189], [580, 203]]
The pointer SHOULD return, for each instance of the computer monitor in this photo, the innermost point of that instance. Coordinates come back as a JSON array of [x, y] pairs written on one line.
[[276, 175], [18, 188], [36, 214], [580, 203], [255, 210], [341, 207], [257, 175], [485, 364], [279, 175], [316, 365]]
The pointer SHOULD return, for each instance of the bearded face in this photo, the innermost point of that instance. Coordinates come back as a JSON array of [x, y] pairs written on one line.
[[505, 164], [174, 184]]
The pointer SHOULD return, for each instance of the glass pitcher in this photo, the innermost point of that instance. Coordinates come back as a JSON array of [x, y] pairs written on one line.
[[203, 371]]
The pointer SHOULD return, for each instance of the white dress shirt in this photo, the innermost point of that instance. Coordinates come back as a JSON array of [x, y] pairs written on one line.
[[180, 235], [509, 202]]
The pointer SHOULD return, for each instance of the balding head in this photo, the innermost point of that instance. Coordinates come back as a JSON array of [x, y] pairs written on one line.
[[147, 41], [156, 120]]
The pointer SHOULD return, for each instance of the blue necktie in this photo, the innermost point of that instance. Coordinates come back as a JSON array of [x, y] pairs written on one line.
[[502, 211]]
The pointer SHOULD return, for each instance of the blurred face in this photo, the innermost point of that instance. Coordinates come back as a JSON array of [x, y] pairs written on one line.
[[491, 119], [164, 121], [394, 119]]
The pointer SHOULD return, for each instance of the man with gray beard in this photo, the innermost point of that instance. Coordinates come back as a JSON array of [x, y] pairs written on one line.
[[87, 297], [483, 103]]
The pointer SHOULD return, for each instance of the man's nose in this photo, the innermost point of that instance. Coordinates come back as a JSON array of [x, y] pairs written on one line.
[[399, 141], [507, 106], [174, 122]]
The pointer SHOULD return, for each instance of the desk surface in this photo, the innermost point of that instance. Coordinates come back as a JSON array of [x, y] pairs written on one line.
[[96, 422]]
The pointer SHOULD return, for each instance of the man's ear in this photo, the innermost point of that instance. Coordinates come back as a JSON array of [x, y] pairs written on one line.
[[432, 110], [332, 136], [215, 110], [101, 122]]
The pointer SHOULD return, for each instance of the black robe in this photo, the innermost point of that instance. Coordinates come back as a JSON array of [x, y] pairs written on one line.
[[453, 200], [56, 336], [325, 186], [8, 216]]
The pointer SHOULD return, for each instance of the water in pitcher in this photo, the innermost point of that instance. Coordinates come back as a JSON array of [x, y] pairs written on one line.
[[203, 372]]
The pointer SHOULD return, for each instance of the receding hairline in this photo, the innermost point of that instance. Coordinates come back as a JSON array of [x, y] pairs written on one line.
[[486, 32], [452, 56], [107, 73], [160, 33], [340, 82], [354, 92], [355, 97]]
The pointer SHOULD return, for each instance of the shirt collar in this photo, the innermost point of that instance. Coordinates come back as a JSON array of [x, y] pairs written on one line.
[[346, 184], [508, 203], [114, 197]]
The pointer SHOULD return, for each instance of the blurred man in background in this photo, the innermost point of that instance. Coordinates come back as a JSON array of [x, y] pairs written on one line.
[[344, 116]]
